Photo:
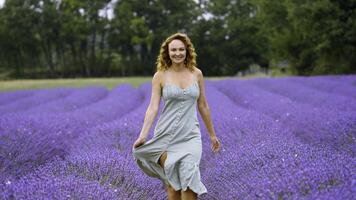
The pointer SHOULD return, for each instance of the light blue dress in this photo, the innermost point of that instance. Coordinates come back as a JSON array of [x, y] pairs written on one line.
[[177, 132]]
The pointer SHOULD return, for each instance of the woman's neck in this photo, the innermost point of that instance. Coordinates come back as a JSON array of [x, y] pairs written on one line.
[[178, 67]]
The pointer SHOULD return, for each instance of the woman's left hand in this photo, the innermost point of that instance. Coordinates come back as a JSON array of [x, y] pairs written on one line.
[[215, 144]]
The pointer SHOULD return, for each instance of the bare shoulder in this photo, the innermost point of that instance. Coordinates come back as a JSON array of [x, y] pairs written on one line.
[[199, 74], [158, 77]]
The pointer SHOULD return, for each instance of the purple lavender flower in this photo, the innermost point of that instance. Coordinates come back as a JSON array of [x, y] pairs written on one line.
[[285, 138]]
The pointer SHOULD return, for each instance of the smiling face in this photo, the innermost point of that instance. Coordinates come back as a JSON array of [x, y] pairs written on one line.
[[177, 51]]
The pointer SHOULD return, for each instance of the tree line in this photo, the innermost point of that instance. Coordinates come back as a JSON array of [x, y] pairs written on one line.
[[71, 38]]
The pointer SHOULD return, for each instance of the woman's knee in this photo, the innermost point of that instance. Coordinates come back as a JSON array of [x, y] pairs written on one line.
[[171, 190], [163, 159], [189, 194]]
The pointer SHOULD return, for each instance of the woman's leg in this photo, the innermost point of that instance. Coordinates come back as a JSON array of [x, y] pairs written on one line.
[[189, 195], [172, 194]]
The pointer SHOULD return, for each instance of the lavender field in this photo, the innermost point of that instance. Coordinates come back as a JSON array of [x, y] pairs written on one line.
[[282, 138]]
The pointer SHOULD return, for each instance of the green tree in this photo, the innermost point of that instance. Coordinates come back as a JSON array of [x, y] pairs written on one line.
[[316, 37], [139, 27], [81, 25], [18, 37], [228, 39]]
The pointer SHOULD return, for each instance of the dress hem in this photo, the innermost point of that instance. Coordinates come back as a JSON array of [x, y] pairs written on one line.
[[197, 188]]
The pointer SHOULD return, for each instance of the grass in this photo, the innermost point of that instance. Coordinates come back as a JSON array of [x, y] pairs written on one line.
[[22, 84]]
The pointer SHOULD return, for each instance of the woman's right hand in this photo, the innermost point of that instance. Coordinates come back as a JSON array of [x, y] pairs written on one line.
[[140, 141]]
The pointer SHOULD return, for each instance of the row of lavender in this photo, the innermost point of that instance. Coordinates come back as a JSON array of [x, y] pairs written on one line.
[[37, 127], [286, 138], [319, 160]]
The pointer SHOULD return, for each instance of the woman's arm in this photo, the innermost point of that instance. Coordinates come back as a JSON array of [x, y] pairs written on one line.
[[152, 109], [204, 111]]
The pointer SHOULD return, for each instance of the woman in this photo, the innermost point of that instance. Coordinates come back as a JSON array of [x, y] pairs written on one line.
[[173, 154]]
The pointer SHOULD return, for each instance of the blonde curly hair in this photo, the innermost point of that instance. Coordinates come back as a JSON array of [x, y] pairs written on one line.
[[164, 62]]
